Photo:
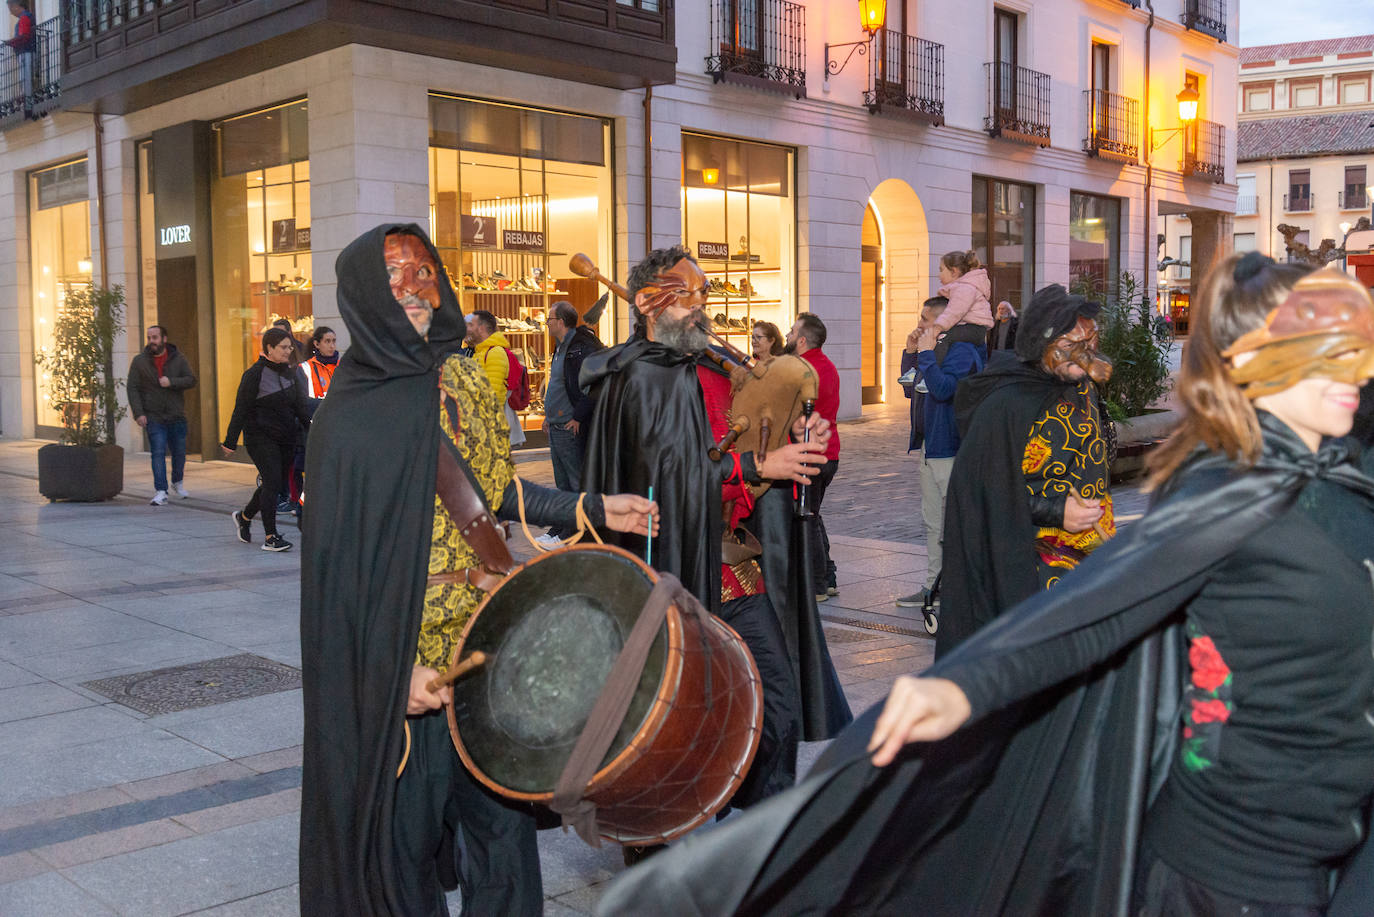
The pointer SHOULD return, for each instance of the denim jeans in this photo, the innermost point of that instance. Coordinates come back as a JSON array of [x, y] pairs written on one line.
[[160, 435]]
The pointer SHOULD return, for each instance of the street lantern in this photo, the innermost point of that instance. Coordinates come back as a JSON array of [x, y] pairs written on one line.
[[1187, 105], [872, 19], [872, 15]]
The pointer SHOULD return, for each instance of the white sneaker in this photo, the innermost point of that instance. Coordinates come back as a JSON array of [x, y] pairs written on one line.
[[549, 541], [180, 488], [159, 499]]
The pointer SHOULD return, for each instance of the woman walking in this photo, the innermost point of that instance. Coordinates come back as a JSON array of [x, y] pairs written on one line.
[[269, 410], [1179, 728]]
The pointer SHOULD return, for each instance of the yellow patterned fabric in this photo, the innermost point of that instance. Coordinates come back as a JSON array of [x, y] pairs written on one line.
[[483, 439], [1066, 450]]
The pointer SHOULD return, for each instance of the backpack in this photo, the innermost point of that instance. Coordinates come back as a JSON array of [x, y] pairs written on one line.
[[517, 383]]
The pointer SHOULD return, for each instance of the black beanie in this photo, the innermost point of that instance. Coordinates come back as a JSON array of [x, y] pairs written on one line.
[[1053, 311]]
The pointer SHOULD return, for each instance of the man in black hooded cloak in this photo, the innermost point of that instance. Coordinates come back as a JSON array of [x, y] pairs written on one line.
[[657, 397], [374, 631]]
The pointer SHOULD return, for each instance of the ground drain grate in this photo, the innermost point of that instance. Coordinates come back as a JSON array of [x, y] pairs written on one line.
[[200, 684], [835, 635], [870, 625]]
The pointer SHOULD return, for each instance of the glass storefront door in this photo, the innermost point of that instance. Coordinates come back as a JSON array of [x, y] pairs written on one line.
[[1094, 241], [60, 262], [1004, 237], [514, 193], [739, 220]]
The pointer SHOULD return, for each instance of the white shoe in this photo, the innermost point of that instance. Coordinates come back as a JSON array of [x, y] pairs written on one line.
[[180, 488], [549, 541], [159, 499]]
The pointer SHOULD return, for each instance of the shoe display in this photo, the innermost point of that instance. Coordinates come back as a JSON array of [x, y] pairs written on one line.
[[159, 499], [180, 488], [243, 527], [717, 286], [276, 543], [731, 289], [915, 600]]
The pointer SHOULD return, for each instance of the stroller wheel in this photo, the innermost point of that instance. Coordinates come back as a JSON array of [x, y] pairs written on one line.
[[932, 622]]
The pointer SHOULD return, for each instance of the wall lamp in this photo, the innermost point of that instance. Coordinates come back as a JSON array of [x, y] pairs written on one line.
[[872, 17], [1187, 114]]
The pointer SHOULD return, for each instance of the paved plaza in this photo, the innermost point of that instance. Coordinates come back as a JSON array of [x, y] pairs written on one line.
[[178, 792]]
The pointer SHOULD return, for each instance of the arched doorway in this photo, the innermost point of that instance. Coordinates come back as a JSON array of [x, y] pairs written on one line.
[[903, 277], [871, 309]]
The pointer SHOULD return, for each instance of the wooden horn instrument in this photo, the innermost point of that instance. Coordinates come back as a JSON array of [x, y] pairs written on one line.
[[582, 266]]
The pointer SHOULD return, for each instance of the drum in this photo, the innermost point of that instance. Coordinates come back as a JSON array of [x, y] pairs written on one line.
[[552, 631]]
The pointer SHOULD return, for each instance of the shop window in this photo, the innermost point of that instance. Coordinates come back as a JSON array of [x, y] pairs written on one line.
[[739, 221], [60, 260], [1094, 240], [260, 212], [1004, 237], [514, 192], [147, 241]]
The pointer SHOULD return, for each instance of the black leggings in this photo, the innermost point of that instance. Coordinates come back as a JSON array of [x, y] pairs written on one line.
[[274, 464]]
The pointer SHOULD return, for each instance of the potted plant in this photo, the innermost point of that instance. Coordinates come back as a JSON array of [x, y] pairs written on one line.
[[86, 465]]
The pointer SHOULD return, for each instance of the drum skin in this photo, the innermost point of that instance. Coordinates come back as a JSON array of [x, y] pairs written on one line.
[[552, 630]]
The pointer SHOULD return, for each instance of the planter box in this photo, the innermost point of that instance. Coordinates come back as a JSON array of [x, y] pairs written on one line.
[[85, 474], [1136, 438]]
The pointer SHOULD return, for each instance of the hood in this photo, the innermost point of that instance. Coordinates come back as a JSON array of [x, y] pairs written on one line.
[[382, 342], [612, 360], [1003, 369], [170, 348], [497, 339], [976, 278]]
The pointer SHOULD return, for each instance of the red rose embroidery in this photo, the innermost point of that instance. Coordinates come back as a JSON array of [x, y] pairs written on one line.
[[1209, 669], [1210, 711]]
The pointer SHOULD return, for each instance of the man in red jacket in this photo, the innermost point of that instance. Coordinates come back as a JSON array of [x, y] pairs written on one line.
[[805, 340], [23, 44]]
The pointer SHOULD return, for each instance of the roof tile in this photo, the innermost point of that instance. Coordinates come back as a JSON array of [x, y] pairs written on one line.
[[1294, 49], [1305, 135]]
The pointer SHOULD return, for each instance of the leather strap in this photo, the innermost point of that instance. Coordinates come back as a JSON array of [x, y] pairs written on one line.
[[475, 522], [468, 576], [612, 704]]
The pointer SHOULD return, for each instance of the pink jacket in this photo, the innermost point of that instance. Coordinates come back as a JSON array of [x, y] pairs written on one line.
[[969, 300]]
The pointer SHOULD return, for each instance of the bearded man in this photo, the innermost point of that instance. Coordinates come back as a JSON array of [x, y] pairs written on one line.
[[660, 406], [387, 585], [1028, 494]]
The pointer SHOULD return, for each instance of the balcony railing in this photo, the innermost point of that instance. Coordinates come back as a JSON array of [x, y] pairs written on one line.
[[760, 43], [1352, 200], [1294, 203], [31, 83], [906, 76], [1018, 103], [1204, 151], [1206, 16], [1247, 205], [1113, 126]]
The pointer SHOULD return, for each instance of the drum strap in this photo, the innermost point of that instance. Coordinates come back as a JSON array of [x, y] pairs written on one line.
[[608, 713], [475, 522]]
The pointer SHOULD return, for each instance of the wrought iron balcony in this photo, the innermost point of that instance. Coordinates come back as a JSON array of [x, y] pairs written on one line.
[[31, 83], [1204, 151], [1206, 16], [1297, 203], [906, 77], [1018, 104], [1113, 126], [1354, 199], [128, 54], [759, 43], [1247, 205]]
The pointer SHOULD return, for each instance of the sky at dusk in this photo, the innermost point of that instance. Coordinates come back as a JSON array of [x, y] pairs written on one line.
[[1269, 22]]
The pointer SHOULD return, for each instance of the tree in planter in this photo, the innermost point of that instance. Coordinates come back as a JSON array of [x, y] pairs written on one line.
[[1137, 341], [82, 386]]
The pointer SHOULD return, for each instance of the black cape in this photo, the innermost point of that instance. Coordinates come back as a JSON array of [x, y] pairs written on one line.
[[989, 559], [650, 429], [369, 472], [1072, 771]]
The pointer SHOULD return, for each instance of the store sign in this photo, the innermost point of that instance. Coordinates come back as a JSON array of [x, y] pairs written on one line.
[[303, 238], [174, 235], [283, 235], [477, 230], [521, 241], [713, 250]]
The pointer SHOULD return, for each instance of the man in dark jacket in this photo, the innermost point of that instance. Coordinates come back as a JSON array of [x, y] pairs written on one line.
[[158, 376], [566, 407], [943, 361]]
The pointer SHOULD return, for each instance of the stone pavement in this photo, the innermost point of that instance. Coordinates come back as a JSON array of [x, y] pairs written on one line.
[[115, 801]]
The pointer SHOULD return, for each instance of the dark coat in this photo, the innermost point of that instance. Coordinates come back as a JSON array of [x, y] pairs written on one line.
[[1035, 809], [270, 404], [149, 399], [584, 344]]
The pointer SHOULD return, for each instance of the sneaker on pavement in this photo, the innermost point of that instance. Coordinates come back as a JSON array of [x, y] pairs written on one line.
[[243, 526], [915, 600], [180, 488], [284, 507], [159, 499], [822, 597], [276, 543], [832, 590]]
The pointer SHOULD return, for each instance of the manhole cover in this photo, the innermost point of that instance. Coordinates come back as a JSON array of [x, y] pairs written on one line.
[[835, 635], [200, 684]]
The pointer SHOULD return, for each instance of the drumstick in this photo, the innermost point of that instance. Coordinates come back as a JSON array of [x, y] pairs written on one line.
[[649, 544], [467, 664], [1097, 526]]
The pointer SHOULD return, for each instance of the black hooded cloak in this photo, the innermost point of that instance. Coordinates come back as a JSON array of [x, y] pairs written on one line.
[[643, 388], [1056, 831], [370, 472]]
